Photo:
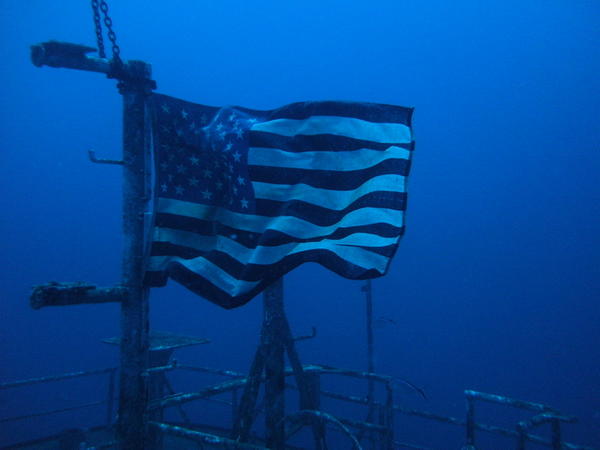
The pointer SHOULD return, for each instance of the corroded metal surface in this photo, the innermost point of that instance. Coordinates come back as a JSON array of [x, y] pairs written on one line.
[[64, 294]]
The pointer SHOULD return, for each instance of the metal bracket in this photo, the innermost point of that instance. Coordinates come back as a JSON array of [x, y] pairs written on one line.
[[92, 155]]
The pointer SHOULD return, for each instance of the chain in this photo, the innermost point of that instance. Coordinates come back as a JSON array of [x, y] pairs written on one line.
[[98, 26], [116, 51]]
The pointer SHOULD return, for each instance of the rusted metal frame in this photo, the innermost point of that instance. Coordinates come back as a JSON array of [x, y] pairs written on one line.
[[53, 411], [65, 294], [64, 376], [203, 438]]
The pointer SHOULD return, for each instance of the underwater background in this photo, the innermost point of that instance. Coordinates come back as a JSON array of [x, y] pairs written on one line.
[[496, 284]]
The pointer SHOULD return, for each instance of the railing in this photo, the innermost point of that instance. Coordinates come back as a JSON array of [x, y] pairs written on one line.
[[379, 432], [109, 400]]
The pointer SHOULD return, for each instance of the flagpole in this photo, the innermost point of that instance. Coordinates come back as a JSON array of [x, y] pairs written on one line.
[[135, 84], [132, 427]]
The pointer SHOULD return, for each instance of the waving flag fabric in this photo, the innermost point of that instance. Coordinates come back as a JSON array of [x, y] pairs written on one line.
[[244, 196]]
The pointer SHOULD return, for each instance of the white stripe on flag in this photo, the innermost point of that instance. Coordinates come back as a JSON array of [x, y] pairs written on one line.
[[262, 254], [339, 126], [292, 226], [324, 160], [327, 198], [216, 275], [271, 255]]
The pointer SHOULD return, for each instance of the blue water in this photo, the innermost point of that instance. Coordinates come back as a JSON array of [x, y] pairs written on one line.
[[496, 283]]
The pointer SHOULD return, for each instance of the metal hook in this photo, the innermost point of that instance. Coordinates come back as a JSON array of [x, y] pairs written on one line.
[[310, 336], [92, 155]]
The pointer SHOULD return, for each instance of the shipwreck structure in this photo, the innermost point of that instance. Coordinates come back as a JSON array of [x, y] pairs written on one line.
[[138, 391]]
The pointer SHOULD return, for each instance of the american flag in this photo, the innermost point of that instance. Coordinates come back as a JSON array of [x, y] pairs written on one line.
[[244, 196]]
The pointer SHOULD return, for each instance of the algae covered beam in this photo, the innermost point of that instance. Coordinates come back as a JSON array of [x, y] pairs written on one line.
[[63, 294], [67, 55]]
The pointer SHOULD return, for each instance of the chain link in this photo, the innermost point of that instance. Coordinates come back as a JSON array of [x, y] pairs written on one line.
[[98, 26]]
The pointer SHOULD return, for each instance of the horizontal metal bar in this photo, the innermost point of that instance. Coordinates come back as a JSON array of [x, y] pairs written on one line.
[[64, 294], [226, 373], [67, 55], [54, 411], [326, 370], [411, 446], [94, 159], [204, 438], [64, 376], [502, 400]]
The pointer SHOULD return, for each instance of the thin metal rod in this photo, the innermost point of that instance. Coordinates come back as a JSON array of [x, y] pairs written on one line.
[[64, 376], [54, 411]]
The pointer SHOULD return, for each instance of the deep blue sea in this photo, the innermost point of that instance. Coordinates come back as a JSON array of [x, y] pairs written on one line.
[[496, 284]]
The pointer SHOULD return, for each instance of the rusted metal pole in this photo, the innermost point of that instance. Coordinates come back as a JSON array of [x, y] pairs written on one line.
[[470, 423], [370, 341], [368, 290], [110, 395], [133, 396], [274, 344]]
